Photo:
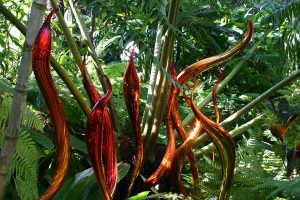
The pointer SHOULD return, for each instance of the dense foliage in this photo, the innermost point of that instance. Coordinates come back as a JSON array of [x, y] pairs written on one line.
[[265, 168]]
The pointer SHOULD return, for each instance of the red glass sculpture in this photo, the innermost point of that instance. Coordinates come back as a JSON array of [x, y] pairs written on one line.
[[41, 68], [100, 138], [100, 145]]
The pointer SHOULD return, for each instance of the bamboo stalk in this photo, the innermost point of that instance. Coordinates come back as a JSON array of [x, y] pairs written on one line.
[[71, 43], [19, 97], [252, 104], [154, 70], [60, 71], [208, 148], [85, 35], [71, 86]]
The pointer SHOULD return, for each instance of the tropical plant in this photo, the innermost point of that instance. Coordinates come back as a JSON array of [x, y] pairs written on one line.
[[23, 172], [186, 32]]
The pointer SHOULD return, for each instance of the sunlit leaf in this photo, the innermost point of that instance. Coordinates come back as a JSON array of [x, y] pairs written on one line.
[[83, 186]]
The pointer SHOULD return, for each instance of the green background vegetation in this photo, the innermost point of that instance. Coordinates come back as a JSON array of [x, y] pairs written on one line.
[[204, 28]]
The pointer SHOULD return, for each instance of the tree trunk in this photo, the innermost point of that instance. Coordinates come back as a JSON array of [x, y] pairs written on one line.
[[153, 73], [20, 93], [156, 109]]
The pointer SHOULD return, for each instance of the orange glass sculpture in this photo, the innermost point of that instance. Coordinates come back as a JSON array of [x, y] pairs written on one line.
[[131, 91], [167, 159]]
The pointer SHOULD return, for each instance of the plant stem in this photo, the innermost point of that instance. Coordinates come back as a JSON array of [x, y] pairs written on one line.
[[259, 99], [13, 19], [156, 110], [71, 86], [20, 93], [252, 104], [78, 59], [85, 34], [60, 71], [71, 43]]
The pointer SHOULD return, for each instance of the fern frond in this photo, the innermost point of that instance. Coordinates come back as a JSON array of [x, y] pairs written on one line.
[[25, 166], [32, 119], [4, 108], [283, 188], [270, 58], [23, 188]]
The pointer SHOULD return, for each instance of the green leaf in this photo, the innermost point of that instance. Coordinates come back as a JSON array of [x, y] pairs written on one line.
[[42, 139], [78, 144], [75, 188], [139, 196], [83, 186], [123, 169], [46, 142]]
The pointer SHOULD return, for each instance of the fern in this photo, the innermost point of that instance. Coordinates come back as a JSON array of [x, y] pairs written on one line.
[[284, 188], [24, 168], [209, 184], [261, 168], [32, 119], [4, 86]]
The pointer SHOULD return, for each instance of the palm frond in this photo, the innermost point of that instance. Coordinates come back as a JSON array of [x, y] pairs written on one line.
[[287, 11], [5, 87]]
